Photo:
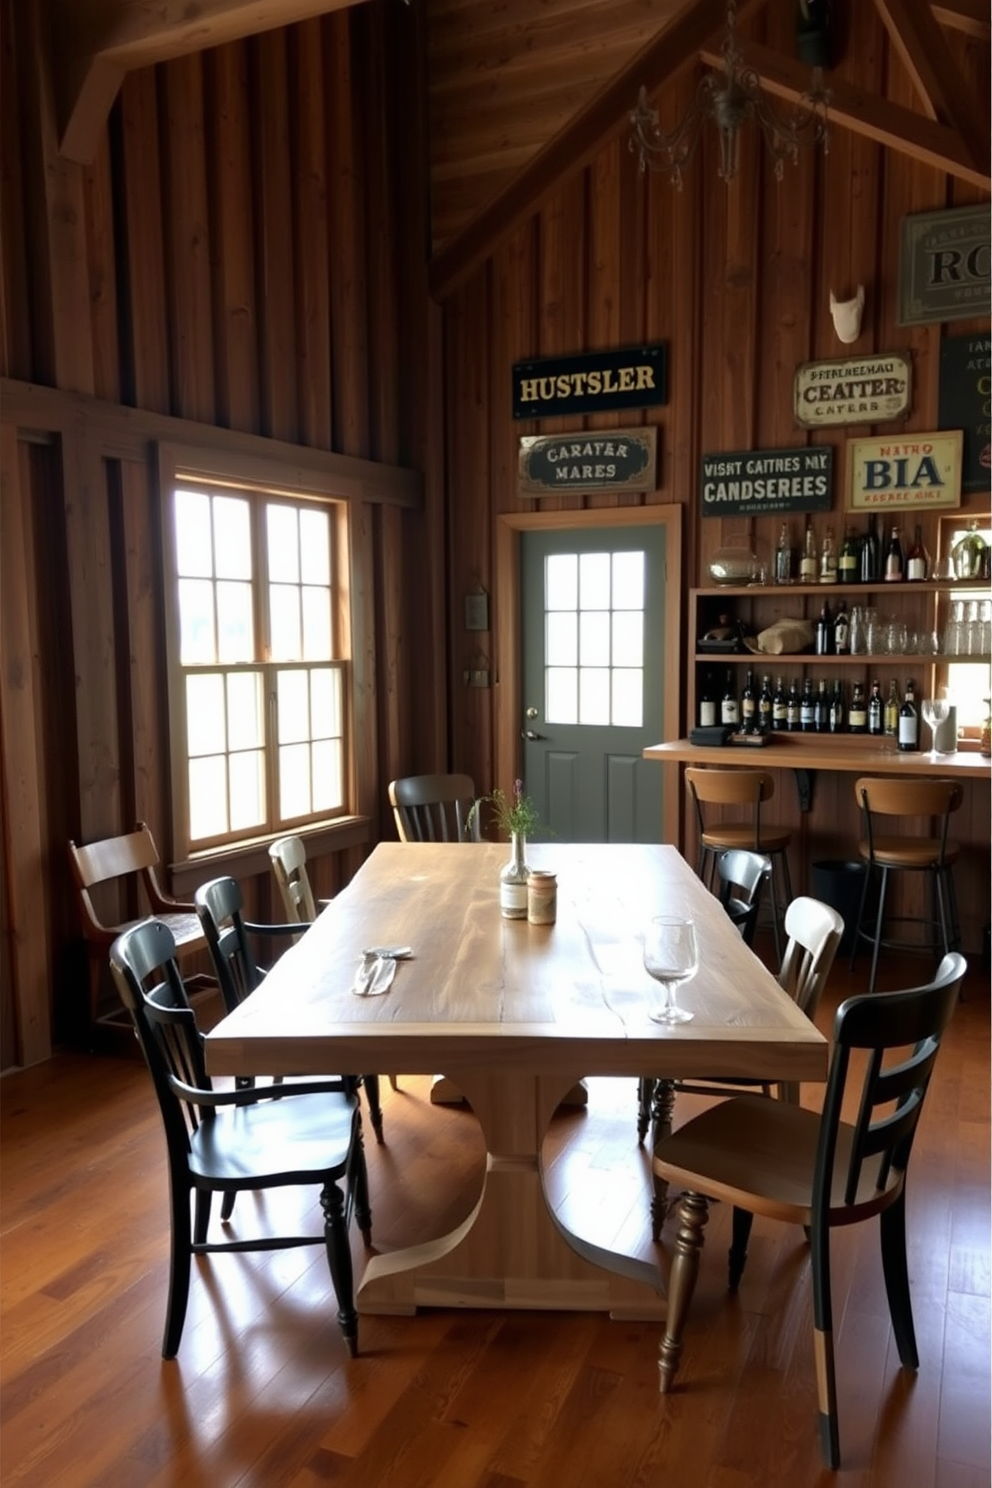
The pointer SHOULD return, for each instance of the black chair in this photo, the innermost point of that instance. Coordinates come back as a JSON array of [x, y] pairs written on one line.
[[435, 808], [219, 905], [782, 1161], [229, 1141]]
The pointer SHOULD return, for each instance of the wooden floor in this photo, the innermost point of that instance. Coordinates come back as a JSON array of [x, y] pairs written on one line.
[[263, 1393]]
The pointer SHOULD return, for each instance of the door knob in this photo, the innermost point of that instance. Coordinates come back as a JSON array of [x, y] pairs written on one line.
[[530, 734]]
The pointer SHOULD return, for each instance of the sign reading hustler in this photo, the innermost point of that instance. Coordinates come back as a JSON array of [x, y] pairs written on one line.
[[758, 481], [593, 382]]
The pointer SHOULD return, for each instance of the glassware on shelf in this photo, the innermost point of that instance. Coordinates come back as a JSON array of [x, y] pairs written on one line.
[[954, 637], [935, 712], [873, 632], [973, 629]]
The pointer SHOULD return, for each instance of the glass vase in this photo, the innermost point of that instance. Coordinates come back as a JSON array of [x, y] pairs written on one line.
[[513, 880]]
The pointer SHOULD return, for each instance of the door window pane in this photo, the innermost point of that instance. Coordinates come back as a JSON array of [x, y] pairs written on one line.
[[627, 702], [594, 581], [597, 601], [594, 695], [562, 640], [628, 638], [561, 704], [562, 582], [594, 638], [628, 581]]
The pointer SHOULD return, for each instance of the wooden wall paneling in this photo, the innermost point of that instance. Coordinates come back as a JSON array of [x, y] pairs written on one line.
[[562, 297], [102, 264], [232, 234], [346, 236], [607, 267], [514, 338], [26, 885], [187, 238], [15, 325], [356, 587], [382, 240], [272, 195], [310, 224], [145, 375]]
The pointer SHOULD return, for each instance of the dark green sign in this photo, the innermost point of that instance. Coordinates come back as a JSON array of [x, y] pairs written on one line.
[[966, 403], [757, 481]]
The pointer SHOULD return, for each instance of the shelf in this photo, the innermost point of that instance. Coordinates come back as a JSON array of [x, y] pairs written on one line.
[[905, 586], [809, 658]]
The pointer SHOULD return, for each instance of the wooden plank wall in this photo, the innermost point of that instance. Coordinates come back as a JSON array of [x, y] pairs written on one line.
[[736, 282], [244, 255]]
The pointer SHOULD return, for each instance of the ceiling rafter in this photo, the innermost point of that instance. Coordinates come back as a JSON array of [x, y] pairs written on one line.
[[920, 42], [970, 16]]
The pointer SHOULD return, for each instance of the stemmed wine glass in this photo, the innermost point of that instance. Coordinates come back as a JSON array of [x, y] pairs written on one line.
[[671, 957], [935, 713]]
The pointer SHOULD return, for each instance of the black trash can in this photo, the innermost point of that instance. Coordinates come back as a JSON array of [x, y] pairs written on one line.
[[840, 885]]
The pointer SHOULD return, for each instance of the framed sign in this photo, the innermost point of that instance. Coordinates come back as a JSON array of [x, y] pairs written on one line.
[[758, 481], [966, 400], [592, 382], [918, 470], [607, 460], [868, 390], [944, 271]]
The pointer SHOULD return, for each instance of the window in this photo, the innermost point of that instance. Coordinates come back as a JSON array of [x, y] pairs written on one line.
[[966, 633], [258, 677]]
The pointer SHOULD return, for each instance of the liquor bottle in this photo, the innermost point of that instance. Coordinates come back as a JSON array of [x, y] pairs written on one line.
[[825, 631], [765, 703], [842, 631], [837, 709], [707, 703], [807, 563], [847, 561], [909, 721], [828, 558], [870, 552], [749, 705], [783, 557], [793, 708], [780, 706], [728, 708], [807, 708], [857, 719], [821, 709], [875, 709], [892, 710], [917, 559], [894, 571]]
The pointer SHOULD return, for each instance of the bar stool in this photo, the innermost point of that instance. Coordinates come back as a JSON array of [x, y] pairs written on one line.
[[884, 796], [715, 786]]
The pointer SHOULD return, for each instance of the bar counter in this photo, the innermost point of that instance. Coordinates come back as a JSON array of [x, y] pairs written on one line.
[[854, 753]]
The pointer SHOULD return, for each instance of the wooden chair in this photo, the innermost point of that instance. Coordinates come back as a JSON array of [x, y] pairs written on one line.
[[435, 808], [126, 865], [289, 868], [219, 905], [784, 1162], [716, 786], [932, 855], [236, 1140]]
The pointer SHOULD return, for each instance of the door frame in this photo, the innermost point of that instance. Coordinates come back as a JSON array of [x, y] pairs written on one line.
[[508, 683]]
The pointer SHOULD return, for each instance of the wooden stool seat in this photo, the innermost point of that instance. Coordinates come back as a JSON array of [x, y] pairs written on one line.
[[909, 852], [728, 838]]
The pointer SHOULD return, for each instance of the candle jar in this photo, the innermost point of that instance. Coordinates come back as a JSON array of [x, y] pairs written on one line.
[[542, 897], [513, 880]]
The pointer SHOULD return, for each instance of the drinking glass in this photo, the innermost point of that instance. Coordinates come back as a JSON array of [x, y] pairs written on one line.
[[935, 713], [856, 631], [671, 957]]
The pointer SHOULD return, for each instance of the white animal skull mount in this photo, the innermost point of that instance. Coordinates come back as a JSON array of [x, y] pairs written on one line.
[[846, 315]]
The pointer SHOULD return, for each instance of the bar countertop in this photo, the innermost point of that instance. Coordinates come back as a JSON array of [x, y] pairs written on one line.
[[853, 753]]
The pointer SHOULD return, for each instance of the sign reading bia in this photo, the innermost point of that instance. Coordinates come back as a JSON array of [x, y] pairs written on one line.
[[918, 470], [760, 481], [593, 382]]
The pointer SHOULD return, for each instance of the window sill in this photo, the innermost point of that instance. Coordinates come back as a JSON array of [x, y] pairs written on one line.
[[248, 859]]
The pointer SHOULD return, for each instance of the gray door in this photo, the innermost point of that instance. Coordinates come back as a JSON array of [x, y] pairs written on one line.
[[593, 672]]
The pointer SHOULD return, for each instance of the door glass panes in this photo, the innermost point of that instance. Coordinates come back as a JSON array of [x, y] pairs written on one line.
[[594, 638]]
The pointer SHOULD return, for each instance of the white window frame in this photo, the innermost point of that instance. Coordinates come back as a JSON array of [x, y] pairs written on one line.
[[962, 675]]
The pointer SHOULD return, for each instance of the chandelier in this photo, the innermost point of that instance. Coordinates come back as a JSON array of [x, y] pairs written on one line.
[[730, 99]]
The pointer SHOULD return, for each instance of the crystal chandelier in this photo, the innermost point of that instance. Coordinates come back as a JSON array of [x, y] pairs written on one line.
[[730, 99]]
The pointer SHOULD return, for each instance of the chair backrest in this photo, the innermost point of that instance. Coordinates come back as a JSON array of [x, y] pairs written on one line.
[[435, 808], [131, 856], [743, 876], [730, 787], [901, 1033], [289, 867], [814, 932], [219, 905], [921, 796]]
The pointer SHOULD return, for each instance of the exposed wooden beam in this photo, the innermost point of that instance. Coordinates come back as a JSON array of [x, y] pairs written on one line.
[[970, 16], [603, 117], [918, 39], [865, 113], [95, 44]]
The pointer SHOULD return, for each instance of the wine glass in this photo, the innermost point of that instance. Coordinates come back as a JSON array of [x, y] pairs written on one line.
[[935, 713], [671, 957]]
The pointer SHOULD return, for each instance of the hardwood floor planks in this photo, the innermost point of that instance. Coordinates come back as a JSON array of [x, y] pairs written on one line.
[[263, 1395]]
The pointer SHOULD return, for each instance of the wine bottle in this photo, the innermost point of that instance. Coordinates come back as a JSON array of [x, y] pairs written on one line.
[[891, 725], [870, 552], [893, 559], [917, 559], [828, 558], [749, 704], [707, 703], [875, 709], [825, 631], [728, 707], [821, 709], [765, 705], [909, 722], [793, 708], [780, 706], [842, 631], [837, 709], [807, 708], [783, 556], [858, 716], [847, 561], [807, 563]]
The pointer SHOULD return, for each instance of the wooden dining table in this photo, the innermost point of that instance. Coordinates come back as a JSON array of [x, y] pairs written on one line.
[[516, 1013]]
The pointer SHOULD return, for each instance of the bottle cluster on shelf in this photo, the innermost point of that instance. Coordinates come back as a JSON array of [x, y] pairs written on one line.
[[793, 705], [873, 556]]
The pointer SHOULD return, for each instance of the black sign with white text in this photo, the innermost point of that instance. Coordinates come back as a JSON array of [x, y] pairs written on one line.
[[754, 482], [592, 382], [966, 403]]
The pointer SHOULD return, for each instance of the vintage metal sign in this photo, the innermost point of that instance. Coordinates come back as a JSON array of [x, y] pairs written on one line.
[[760, 481], [601, 460], [966, 400], [593, 382], [865, 390], [916, 470], [944, 265]]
